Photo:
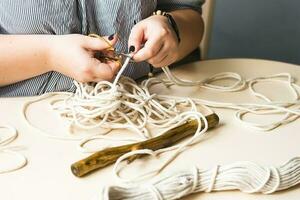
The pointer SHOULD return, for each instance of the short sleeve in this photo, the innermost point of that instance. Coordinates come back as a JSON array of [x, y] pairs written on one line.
[[170, 5]]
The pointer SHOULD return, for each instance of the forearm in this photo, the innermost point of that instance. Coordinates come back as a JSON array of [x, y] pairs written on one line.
[[191, 28], [22, 57]]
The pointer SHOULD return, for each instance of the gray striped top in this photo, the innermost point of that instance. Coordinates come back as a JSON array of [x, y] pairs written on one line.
[[103, 17]]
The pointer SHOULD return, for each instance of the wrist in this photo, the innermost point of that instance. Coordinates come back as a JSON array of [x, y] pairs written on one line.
[[50, 52], [171, 22], [36, 52]]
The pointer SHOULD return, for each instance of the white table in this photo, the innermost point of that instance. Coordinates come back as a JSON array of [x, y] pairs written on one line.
[[48, 176]]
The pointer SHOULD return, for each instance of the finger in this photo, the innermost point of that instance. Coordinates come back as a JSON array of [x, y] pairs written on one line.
[[99, 43], [151, 48], [111, 39], [136, 38], [168, 51], [160, 63], [115, 66], [102, 71], [163, 58], [161, 55], [165, 62]]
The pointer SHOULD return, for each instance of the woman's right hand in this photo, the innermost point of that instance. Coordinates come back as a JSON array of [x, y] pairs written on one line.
[[73, 56]]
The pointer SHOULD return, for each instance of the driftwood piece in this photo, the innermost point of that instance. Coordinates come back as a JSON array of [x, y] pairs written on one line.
[[109, 156]]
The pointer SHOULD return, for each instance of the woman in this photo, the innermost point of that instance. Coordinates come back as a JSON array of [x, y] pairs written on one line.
[[43, 44]]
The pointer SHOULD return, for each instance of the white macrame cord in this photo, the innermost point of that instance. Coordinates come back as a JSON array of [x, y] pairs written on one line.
[[21, 160], [124, 104]]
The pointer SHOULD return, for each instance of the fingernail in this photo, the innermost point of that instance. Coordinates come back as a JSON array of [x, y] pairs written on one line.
[[131, 49], [134, 22], [111, 37]]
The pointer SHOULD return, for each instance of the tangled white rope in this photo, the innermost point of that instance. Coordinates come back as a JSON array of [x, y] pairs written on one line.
[[290, 108], [269, 108], [245, 176], [5, 149], [125, 105]]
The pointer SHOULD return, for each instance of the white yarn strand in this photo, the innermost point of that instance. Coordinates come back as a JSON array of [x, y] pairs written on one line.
[[5, 149], [99, 99], [179, 148], [125, 105]]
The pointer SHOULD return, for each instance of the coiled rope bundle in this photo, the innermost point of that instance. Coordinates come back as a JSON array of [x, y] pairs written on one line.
[[245, 176]]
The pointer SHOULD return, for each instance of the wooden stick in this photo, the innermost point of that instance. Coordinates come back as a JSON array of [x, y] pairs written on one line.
[[109, 156]]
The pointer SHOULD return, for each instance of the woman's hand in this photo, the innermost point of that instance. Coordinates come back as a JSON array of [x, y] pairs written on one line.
[[159, 39], [74, 56]]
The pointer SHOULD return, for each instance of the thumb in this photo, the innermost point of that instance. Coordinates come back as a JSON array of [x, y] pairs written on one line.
[[136, 38], [99, 43]]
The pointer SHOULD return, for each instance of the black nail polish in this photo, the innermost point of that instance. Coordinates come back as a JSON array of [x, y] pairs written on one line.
[[134, 22], [111, 37], [131, 49]]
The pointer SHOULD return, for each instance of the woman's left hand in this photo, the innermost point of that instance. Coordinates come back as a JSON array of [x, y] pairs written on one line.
[[153, 40]]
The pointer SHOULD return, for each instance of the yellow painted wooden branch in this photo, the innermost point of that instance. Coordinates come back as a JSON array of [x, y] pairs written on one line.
[[109, 156]]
